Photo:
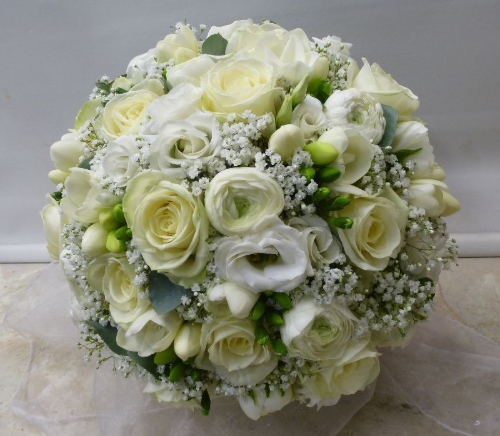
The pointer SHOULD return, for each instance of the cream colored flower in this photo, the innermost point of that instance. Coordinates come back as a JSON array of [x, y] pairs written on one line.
[[180, 46], [262, 403]]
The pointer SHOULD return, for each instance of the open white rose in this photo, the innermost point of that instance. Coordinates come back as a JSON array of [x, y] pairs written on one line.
[[190, 71], [239, 84], [357, 109], [240, 199], [383, 88], [169, 225], [274, 258], [120, 162], [309, 116], [230, 298], [180, 46], [182, 142], [168, 394], [433, 197], [230, 346], [124, 113], [352, 372], [262, 403], [318, 332], [377, 233]]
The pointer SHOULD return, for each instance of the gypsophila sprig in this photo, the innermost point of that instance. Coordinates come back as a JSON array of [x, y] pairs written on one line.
[[238, 224]]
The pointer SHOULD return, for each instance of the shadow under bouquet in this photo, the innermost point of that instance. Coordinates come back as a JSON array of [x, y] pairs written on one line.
[[250, 214]]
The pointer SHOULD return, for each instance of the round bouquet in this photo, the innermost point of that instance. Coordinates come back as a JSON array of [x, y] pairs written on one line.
[[245, 212]]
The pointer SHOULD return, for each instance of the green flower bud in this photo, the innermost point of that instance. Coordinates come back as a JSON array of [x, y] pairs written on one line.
[[284, 115], [205, 403], [308, 173], [107, 219], [166, 356], [258, 310], [279, 347], [118, 214], [340, 222], [261, 334], [322, 153], [334, 204], [321, 194], [319, 88], [177, 371], [275, 318], [328, 175], [283, 300], [123, 234], [114, 245], [300, 91]]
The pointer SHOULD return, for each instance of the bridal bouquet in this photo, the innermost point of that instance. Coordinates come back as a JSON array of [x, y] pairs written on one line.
[[245, 212]]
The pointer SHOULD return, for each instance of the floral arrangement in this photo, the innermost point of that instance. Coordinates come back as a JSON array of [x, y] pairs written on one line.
[[248, 214]]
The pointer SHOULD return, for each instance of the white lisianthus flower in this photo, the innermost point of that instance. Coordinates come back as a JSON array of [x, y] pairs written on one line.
[[378, 230], [318, 332], [149, 333], [322, 246], [190, 71], [239, 84], [238, 200], [180, 46], [181, 142], [262, 403], [84, 198], [359, 110], [124, 113], [183, 101], [229, 345], [187, 341], [353, 371], [309, 116], [433, 197], [383, 88], [275, 258], [65, 154], [169, 225], [52, 226], [120, 162], [231, 299], [168, 393]]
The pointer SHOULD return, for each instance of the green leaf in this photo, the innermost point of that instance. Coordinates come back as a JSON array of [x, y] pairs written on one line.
[[87, 112], [205, 403], [85, 164], [146, 362], [391, 116], [164, 294], [214, 45], [403, 154]]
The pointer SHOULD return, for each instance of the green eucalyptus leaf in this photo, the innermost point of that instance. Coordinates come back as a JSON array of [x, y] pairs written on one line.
[[85, 164], [164, 294], [403, 154], [214, 45], [145, 362], [87, 112], [391, 116]]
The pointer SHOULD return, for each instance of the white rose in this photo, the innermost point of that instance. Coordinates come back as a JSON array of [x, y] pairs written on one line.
[[433, 197], [355, 154], [309, 116], [187, 341], [378, 230], [318, 332], [181, 102], [169, 394], [230, 346], [190, 71], [413, 136], [149, 333], [236, 85], [84, 198], [229, 298], [352, 372], [197, 139], [383, 88], [323, 248], [120, 163], [229, 29], [274, 259], [286, 140], [180, 46], [238, 200], [262, 403], [169, 225], [52, 226], [124, 113], [359, 110]]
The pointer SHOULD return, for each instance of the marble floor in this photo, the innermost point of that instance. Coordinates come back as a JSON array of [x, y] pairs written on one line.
[[469, 293]]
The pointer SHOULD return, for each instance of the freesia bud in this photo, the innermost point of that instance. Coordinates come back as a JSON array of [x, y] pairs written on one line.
[[300, 91], [284, 115], [57, 176], [321, 194], [328, 175], [107, 219], [114, 245], [340, 222], [66, 153], [118, 214], [166, 356], [308, 173], [94, 240], [177, 371], [261, 334], [322, 153], [187, 341], [279, 347], [286, 140]]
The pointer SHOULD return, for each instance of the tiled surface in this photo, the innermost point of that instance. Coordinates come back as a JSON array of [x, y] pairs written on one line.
[[470, 294]]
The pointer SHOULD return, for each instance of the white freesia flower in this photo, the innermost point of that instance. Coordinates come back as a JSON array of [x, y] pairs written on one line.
[[275, 258], [229, 345], [433, 197], [262, 403], [318, 332], [378, 230], [65, 154], [170, 394], [322, 246], [383, 88], [52, 226], [181, 142], [286, 140], [183, 101], [94, 240], [239, 84], [239, 200], [356, 109], [309, 116], [187, 341], [231, 298], [353, 371], [169, 225], [120, 162], [190, 71], [180, 46]]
